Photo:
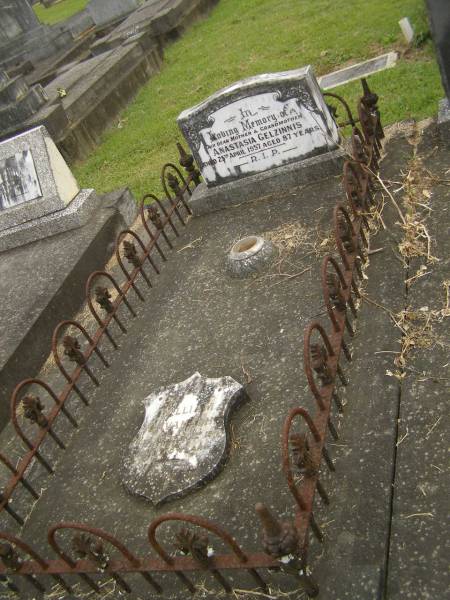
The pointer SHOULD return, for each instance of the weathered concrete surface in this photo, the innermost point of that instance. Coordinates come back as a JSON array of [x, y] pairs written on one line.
[[444, 120], [97, 90], [42, 283], [276, 181], [419, 541], [74, 215], [197, 317], [183, 441], [104, 13]]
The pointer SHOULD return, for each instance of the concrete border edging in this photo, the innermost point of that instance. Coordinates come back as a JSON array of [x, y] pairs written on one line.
[[205, 200]]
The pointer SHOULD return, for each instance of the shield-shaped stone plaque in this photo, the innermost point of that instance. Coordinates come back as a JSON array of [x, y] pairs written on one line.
[[182, 441]]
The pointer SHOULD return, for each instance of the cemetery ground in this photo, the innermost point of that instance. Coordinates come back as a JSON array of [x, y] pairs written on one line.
[[241, 38], [383, 529]]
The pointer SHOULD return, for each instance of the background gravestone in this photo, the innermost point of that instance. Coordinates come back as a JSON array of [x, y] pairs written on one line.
[[39, 196], [439, 13], [24, 39], [258, 124], [18, 101], [17, 18], [103, 12]]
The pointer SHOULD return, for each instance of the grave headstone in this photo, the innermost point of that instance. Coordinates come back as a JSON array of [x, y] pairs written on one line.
[[24, 41], [17, 18], [439, 13], [18, 101], [103, 13], [39, 196], [259, 124], [407, 29]]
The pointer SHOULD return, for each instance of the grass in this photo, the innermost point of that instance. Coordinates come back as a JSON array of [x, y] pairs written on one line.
[[60, 11], [241, 38]]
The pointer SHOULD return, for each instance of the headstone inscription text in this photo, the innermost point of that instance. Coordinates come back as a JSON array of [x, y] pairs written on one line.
[[257, 124]]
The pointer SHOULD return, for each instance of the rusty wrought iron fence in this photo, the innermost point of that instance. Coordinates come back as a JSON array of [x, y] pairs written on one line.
[[157, 218], [93, 551]]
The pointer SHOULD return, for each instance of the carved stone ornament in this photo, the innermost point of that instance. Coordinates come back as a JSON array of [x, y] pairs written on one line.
[[183, 440]]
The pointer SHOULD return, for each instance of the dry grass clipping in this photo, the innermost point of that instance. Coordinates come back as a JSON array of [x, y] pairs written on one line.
[[417, 184], [415, 325], [289, 237], [417, 329]]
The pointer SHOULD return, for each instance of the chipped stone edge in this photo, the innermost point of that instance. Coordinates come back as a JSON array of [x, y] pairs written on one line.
[[239, 398]]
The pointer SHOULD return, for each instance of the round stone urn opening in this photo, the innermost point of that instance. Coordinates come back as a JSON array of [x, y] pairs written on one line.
[[249, 255], [246, 247]]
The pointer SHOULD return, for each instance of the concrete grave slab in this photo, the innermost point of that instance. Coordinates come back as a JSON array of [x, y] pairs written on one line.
[[258, 124], [42, 283], [76, 214], [183, 440], [279, 180], [161, 19], [419, 540], [197, 316]]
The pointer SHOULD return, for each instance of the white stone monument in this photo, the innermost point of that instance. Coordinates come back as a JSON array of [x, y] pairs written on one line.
[[258, 124], [254, 129]]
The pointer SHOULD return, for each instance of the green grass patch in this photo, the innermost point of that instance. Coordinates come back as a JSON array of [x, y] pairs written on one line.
[[59, 11], [241, 38]]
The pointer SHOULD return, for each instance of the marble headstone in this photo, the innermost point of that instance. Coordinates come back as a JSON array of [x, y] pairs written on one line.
[[258, 124], [34, 178], [182, 441], [39, 196]]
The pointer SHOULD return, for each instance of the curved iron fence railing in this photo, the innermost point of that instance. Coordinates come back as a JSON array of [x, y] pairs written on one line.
[[304, 435]]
